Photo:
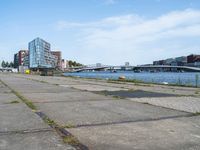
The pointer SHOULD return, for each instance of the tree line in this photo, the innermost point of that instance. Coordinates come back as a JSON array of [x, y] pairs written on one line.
[[74, 63], [6, 64]]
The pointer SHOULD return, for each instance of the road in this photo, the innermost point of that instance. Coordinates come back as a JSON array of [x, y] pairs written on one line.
[[70, 113]]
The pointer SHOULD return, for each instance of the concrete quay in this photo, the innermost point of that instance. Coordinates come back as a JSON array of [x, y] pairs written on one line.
[[96, 114]]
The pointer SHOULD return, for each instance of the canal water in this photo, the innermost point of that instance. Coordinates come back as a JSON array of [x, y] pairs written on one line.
[[189, 78]]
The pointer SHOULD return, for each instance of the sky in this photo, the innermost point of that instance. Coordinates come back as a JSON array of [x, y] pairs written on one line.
[[110, 32]]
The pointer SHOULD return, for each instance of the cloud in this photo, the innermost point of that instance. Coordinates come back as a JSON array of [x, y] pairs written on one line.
[[136, 39], [106, 23]]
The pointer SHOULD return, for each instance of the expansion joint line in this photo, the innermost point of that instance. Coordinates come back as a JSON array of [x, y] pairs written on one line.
[[25, 131]]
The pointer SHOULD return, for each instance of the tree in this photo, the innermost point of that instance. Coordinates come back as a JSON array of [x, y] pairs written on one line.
[[70, 63], [7, 64], [3, 64], [74, 63], [11, 64]]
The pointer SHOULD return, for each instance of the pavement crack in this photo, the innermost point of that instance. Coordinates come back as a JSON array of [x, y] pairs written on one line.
[[66, 135], [133, 121]]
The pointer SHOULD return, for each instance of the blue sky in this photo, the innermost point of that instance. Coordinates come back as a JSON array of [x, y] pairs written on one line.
[[103, 31]]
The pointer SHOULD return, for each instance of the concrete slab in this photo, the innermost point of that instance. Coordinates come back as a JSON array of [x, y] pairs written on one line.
[[6, 98], [91, 87], [45, 89], [29, 86], [65, 97], [16, 117], [187, 104], [101, 112], [33, 141], [4, 90], [170, 134]]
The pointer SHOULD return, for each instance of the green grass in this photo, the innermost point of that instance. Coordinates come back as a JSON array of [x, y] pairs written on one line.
[[136, 82], [41, 81], [69, 125], [145, 103], [26, 101], [50, 122], [14, 102], [117, 97], [70, 140], [131, 90], [196, 114]]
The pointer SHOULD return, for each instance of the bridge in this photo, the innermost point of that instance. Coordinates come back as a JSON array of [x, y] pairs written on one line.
[[136, 68], [89, 67]]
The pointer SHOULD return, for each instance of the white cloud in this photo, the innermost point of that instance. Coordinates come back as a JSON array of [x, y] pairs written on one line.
[[132, 38], [110, 22]]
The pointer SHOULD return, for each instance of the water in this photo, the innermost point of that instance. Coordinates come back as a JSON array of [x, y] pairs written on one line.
[[188, 78]]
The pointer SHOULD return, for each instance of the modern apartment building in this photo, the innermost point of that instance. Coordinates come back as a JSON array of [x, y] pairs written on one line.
[[40, 55]]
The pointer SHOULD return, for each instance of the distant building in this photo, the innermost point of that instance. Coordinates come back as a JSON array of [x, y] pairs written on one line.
[[16, 60], [40, 55], [193, 58], [181, 61], [98, 64], [21, 59], [197, 64], [178, 61], [59, 56], [63, 64], [23, 54], [169, 61], [159, 62], [26, 61]]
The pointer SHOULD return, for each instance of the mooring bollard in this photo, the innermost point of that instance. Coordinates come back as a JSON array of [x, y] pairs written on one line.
[[122, 78]]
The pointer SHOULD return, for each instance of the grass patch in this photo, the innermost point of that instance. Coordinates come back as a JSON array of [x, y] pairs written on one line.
[[196, 92], [196, 114], [148, 84], [71, 140], [49, 121], [134, 81], [14, 102], [131, 90], [26, 101], [117, 97], [145, 103], [41, 81], [68, 126]]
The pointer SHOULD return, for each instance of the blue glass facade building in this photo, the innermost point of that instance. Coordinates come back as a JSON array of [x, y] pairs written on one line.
[[40, 55]]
